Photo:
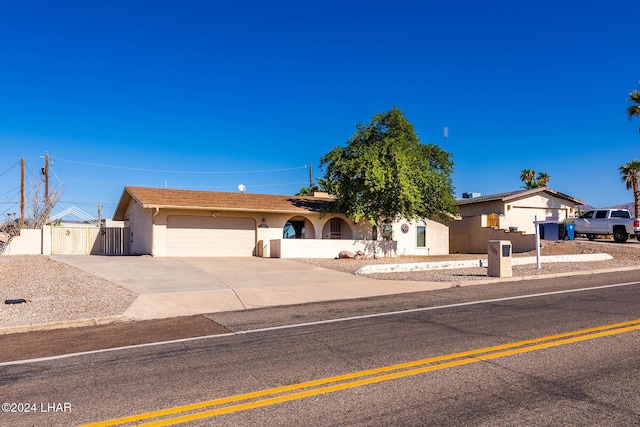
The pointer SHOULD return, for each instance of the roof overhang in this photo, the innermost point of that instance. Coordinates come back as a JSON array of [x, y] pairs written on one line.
[[515, 195], [128, 196], [545, 190]]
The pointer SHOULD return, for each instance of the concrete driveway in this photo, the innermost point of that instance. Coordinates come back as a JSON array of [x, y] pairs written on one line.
[[169, 287]]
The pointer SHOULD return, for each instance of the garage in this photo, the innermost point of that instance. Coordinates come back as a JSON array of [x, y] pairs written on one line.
[[210, 236]]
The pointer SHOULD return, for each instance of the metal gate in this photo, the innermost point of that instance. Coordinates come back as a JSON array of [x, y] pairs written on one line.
[[87, 241]]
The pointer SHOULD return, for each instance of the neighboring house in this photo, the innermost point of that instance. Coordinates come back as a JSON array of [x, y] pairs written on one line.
[[170, 222], [506, 216]]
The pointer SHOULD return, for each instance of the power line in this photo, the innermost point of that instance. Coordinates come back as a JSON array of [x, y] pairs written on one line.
[[251, 185], [121, 184], [91, 203], [184, 172], [56, 175], [189, 186], [27, 167], [9, 208], [16, 164], [13, 189]]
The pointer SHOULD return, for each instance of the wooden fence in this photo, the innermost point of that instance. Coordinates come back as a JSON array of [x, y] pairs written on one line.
[[87, 241]]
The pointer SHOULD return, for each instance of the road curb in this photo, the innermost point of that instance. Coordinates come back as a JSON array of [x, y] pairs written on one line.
[[63, 324], [543, 276]]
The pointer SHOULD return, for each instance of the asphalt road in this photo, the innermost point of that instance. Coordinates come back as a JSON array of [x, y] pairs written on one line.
[[584, 378]]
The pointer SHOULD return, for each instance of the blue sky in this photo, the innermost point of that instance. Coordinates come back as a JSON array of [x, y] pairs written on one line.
[[211, 94]]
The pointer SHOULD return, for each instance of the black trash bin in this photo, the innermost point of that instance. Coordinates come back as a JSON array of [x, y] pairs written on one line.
[[562, 231]]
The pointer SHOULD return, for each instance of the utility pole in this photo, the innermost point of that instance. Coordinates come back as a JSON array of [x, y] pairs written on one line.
[[22, 193], [310, 175], [46, 179]]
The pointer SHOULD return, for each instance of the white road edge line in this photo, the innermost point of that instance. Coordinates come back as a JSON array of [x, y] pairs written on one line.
[[320, 322]]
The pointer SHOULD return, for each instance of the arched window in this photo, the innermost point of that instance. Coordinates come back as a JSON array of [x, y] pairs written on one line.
[[294, 230], [335, 226], [288, 232], [421, 234]]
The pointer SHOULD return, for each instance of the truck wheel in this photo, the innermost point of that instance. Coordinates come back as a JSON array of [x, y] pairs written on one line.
[[620, 235], [591, 236]]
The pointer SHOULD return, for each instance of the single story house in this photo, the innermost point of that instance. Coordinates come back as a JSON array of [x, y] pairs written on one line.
[[172, 222], [506, 216]]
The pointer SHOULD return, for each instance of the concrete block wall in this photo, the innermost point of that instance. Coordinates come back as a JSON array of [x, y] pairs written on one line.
[[467, 236], [327, 248], [31, 242]]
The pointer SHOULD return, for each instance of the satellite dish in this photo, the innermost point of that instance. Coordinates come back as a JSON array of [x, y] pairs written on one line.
[[242, 188]]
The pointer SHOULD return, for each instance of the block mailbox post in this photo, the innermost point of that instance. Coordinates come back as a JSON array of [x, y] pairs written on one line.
[[499, 258]]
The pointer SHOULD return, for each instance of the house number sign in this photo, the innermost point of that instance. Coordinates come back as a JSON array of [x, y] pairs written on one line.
[[404, 228]]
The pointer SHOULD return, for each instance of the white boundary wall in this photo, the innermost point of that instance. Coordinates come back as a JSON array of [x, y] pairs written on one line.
[[30, 242], [327, 248]]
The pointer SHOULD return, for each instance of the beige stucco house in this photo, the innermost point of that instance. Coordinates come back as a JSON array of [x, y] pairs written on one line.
[[506, 216], [171, 222]]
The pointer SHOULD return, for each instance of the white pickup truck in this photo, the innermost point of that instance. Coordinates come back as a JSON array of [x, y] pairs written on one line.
[[616, 222]]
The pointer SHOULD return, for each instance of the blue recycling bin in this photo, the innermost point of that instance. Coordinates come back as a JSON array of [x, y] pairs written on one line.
[[570, 231]]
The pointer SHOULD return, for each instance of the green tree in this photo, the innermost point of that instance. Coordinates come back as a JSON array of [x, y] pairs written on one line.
[[307, 191], [385, 173], [543, 179], [528, 176], [629, 174], [634, 110]]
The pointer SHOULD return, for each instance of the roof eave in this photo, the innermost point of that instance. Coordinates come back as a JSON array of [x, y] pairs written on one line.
[[543, 189], [121, 207], [518, 195], [227, 209]]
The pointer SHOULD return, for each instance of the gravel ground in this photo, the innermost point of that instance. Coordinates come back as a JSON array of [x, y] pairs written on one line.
[[624, 255], [56, 291]]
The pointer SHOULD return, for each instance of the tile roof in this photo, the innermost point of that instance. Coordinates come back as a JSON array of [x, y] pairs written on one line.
[[510, 195], [207, 200]]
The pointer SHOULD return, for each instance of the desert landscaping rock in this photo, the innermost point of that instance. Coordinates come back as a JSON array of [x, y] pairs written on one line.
[[55, 292], [345, 255]]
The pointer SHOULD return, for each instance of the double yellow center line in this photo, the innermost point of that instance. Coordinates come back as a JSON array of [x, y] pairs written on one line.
[[212, 408]]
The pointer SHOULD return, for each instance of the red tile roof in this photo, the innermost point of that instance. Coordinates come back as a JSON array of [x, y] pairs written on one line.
[[212, 200]]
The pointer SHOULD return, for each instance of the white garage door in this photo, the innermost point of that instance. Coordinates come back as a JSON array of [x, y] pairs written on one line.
[[209, 236]]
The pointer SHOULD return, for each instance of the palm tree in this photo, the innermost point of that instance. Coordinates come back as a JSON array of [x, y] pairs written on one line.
[[634, 110], [629, 174], [528, 176], [543, 179]]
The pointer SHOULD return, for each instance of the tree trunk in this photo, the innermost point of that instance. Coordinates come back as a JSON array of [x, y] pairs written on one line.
[[636, 197]]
